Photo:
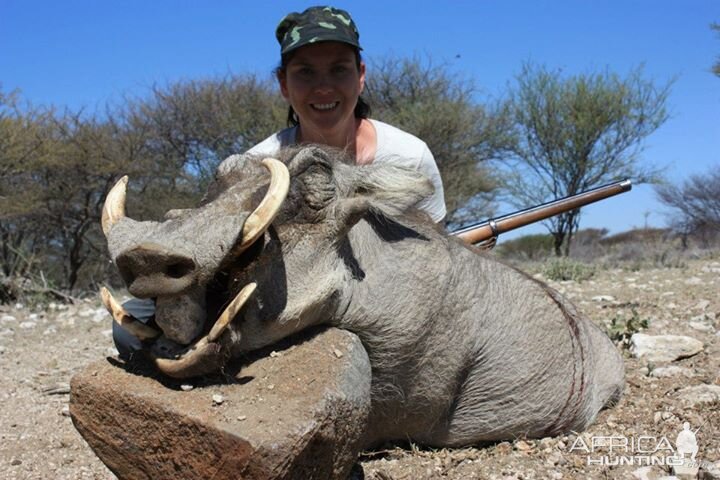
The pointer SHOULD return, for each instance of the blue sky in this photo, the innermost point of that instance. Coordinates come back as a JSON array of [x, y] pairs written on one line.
[[82, 53]]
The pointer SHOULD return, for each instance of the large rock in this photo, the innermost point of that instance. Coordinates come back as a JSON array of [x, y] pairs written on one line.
[[664, 348], [296, 414]]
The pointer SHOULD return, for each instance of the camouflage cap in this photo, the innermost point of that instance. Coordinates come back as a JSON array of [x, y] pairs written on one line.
[[316, 24]]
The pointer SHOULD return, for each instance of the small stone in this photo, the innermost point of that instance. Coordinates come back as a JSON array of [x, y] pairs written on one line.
[[16, 462], [503, 448], [671, 371], [185, 387], [701, 327], [65, 412], [242, 418], [28, 325], [337, 353], [217, 399], [275, 354], [702, 305], [710, 471], [7, 318], [270, 387], [603, 298], [524, 446]]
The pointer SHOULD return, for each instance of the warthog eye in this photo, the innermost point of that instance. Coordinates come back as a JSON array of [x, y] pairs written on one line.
[[179, 269]]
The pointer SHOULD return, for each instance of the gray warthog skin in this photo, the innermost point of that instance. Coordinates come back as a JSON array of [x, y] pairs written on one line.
[[463, 348]]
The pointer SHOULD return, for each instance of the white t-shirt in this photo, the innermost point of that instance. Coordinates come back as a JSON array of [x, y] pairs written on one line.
[[394, 146]]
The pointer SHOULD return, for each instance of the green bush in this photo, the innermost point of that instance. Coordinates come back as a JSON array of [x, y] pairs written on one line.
[[566, 269], [621, 329], [527, 247]]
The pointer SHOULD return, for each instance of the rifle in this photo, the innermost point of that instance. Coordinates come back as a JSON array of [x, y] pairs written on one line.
[[489, 230]]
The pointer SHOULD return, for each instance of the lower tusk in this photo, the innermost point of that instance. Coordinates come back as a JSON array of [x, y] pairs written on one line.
[[229, 313], [204, 352], [124, 319]]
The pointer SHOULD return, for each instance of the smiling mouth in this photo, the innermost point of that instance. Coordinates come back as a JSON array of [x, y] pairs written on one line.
[[324, 107]]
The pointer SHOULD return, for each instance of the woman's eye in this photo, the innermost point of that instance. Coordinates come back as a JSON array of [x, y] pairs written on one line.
[[304, 71]]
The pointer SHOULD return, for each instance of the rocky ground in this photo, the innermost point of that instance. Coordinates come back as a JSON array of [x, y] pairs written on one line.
[[669, 384]]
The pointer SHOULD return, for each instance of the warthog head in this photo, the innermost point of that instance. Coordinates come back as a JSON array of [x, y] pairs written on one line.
[[256, 229]]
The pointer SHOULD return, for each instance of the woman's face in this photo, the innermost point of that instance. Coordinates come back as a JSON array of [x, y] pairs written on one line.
[[322, 82]]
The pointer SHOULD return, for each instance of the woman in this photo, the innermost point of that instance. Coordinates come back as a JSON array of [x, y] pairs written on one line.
[[322, 75]]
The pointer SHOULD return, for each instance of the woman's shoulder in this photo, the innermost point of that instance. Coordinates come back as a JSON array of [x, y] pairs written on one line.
[[392, 132], [275, 142], [392, 141]]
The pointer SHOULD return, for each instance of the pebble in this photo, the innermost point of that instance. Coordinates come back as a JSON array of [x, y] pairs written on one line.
[[2, 349], [702, 305], [185, 387], [338, 353], [7, 318], [28, 325], [16, 462], [603, 298], [242, 418], [218, 399], [701, 327], [275, 354], [671, 371], [524, 446], [65, 412]]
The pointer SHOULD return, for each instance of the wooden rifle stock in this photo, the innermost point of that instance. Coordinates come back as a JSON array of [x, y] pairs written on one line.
[[490, 229]]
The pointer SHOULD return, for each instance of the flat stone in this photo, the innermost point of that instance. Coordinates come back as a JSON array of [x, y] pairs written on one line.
[[699, 395], [308, 425], [671, 371], [664, 348]]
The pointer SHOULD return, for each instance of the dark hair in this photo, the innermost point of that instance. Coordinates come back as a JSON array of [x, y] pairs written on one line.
[[362, 108]]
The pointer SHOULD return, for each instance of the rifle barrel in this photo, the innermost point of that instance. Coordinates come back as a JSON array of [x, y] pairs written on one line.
[[492, 228]]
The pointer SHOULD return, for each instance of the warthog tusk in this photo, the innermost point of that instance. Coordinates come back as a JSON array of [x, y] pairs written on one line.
[[124, 319], [229, 313], [114, 207], [260, 219], [189, 363]]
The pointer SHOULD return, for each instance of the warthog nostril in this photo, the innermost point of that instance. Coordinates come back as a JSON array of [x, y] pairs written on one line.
[[179, 269], [150, 270]]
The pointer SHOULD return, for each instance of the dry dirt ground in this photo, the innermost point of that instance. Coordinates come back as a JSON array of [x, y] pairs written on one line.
[[40, 350]]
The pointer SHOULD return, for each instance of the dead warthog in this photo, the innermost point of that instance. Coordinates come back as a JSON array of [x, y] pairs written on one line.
[[463, 348]]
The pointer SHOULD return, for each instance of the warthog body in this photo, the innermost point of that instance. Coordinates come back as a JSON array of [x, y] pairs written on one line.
[[463, 348]]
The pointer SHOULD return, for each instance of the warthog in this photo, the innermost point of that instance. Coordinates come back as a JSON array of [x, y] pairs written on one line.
[[464, 349]]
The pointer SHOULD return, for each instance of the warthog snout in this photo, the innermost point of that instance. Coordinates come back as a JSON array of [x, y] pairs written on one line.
[[151, 271]]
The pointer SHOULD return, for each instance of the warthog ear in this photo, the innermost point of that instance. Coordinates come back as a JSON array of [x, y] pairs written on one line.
[[387, 189]]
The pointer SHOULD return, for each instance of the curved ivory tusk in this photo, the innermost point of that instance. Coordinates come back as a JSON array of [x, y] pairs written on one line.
[[205, 351], [114, 207], [265, 213], [124, 319], [229, 313]]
